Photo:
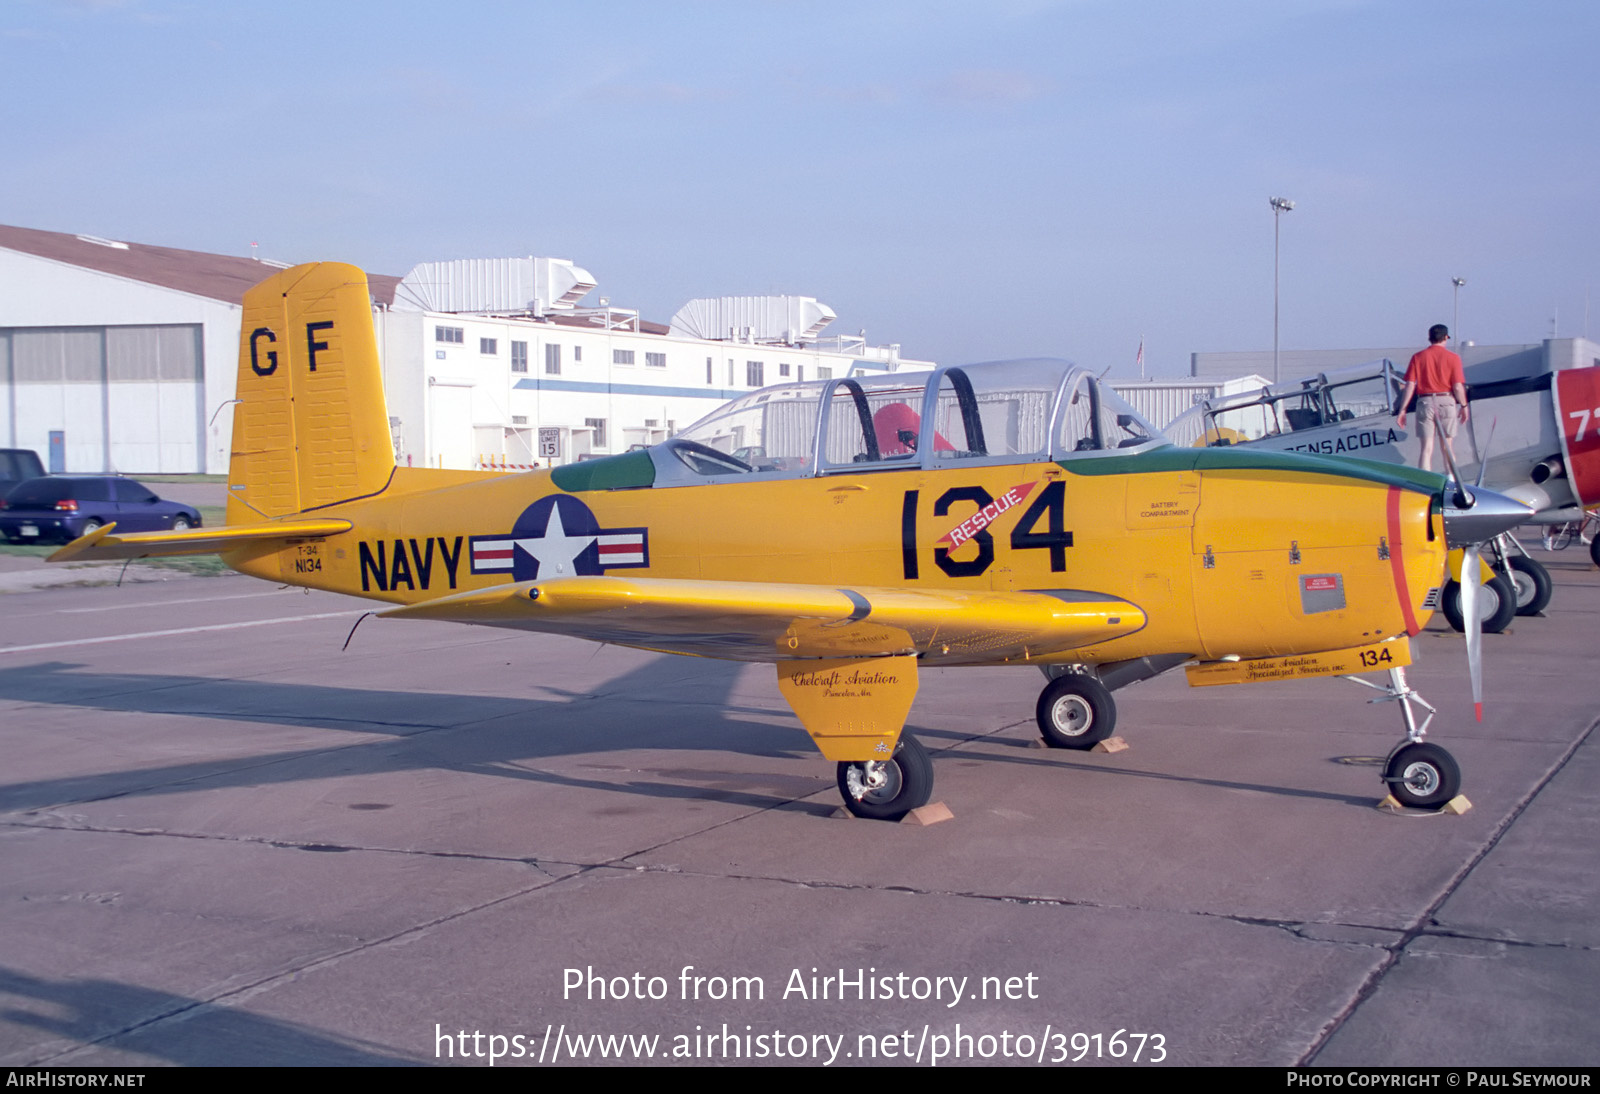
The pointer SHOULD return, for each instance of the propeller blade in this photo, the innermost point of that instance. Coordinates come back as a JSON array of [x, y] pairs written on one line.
[[1464, 498], [1483, 457], [1471, 576]]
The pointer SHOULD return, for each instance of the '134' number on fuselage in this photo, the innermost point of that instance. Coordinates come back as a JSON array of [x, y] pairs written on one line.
[[1049, 507]]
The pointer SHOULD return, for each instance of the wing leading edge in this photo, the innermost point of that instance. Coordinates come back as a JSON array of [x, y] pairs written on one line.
[[763, 621]]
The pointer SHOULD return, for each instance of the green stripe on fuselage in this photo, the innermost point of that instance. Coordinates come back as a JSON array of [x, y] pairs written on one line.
[[1173, 458]]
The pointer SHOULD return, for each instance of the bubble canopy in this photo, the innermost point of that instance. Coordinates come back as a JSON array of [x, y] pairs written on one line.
[[999, 412]]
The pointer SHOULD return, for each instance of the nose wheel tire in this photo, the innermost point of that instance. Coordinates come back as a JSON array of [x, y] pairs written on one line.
[[1530, 581], [1076, 711], [1497, 605], [888, 789], [1422, 776]]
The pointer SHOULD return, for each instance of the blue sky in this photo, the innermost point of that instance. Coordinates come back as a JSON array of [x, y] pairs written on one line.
[[972, 180]]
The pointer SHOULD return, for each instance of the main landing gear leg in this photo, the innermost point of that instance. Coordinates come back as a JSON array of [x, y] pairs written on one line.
[[1418, 774], [855, 708], [888, 789]]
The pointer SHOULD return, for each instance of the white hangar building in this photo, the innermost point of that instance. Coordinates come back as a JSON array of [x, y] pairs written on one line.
[[114, 356], [495, 362], [121, 357]]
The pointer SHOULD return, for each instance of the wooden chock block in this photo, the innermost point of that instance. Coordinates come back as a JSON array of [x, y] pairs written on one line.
[[1111, 744], [1390, 804], [1456, 805], [932, 813]]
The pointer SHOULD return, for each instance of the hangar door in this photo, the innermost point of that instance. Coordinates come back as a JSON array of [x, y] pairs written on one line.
[[125, 399], [154, 398]]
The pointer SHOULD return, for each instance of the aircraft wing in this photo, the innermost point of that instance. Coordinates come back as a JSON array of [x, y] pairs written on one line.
[[765, 621], [104, 544]]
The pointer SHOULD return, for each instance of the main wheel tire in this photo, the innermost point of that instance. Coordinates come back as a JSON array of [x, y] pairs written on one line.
[[1530, 583], [1422, 776], [1076, 711], [1594, 550], [1497, 605], [888, 789]]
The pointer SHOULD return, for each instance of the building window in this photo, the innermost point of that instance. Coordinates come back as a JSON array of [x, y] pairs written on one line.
[[752, 373], [519, 357], [622, 357], [783, 370], [552, 359], [489, 347], [577, 354], [519, 419], [455, 335], [655, 360], [599, 427], [651, 423], [730, 372], [709, 380], [824, 373], [800, 373]]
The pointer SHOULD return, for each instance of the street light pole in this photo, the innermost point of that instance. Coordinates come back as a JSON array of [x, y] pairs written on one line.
[[1279, 207], [1455, 316]]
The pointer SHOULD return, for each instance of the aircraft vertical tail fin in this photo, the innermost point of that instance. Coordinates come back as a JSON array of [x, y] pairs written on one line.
[[311, 428]]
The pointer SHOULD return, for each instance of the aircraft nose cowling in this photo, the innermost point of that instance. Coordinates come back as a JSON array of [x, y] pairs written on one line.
[[1474, 515]]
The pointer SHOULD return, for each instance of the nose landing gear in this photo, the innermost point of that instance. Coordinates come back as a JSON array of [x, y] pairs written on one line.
[[1419, 775]]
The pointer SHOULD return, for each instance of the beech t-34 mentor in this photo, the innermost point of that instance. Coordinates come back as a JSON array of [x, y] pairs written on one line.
[[1007, 512]]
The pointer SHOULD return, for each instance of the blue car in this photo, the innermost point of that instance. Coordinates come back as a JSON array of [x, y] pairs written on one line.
[[60, 508]]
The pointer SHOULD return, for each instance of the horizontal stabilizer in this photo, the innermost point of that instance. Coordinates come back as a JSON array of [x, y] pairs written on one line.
[[103, 544], [766, 621]]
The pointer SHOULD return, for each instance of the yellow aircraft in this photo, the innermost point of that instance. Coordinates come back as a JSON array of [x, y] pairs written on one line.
[[1013, 512]]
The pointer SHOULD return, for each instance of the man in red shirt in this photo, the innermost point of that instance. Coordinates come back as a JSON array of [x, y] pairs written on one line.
[[1435, 377]]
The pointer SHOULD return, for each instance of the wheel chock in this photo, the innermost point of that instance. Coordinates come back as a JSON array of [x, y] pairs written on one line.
[[1455, 807], [1111, 744], [932, 813]]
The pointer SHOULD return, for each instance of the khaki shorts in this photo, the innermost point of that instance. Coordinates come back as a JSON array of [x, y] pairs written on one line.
[[1437, 412]]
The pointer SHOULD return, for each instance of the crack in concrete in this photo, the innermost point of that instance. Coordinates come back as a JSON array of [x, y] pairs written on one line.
[[1296, 927], [1521, 943], [1420, 926], [298, 845]]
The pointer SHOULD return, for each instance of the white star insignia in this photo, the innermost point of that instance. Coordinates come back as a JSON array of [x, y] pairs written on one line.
[[555, 551]]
